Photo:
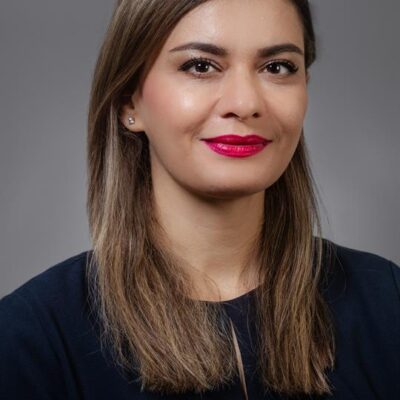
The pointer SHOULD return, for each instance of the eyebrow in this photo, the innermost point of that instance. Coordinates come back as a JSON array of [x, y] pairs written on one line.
[[265, 52]]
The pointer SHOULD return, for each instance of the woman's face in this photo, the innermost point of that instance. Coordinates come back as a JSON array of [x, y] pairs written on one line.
[[236, 89]]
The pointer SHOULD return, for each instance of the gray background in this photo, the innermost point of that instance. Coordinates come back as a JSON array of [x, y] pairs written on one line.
[[48, 50]]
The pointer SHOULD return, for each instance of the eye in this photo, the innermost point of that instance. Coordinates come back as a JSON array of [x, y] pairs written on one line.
[[275, 67], [202, 67], [200, 64]]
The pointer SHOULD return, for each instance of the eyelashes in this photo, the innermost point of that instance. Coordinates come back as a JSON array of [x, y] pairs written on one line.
[[274, 67]]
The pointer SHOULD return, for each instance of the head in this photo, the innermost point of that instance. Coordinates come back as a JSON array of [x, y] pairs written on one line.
[[252, 78]]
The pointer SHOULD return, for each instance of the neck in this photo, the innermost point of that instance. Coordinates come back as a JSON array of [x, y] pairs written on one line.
[[215, 239]]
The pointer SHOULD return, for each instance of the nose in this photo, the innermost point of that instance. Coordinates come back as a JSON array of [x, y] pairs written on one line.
[[241, 96]]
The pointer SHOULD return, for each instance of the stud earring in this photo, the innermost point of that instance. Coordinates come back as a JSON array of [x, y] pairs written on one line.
[[131, 120]]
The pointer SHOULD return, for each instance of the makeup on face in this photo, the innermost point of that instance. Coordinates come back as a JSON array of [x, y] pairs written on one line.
[[224, 102], [231, 145]]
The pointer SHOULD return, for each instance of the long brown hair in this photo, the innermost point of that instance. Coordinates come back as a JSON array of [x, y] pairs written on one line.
[[138, 288]]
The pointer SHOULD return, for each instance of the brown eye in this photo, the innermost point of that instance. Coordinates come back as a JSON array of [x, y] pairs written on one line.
[[200, 65], [281, 68]]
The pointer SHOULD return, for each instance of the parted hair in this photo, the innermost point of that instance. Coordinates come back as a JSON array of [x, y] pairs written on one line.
[[157, 333]]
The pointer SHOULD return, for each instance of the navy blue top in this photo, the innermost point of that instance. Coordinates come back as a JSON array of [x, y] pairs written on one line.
[[49, 347]]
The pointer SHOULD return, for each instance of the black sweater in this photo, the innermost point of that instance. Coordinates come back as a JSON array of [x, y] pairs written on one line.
[[49, 348]]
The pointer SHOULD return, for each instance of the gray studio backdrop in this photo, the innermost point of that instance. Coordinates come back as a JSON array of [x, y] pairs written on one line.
[[48, 50]]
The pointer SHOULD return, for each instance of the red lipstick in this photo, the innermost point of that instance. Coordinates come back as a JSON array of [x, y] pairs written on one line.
[[237, 146]]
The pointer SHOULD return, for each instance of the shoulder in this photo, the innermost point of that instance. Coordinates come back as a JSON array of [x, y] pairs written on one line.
[[40, 320], [364, 298], [54, 298], [54, 294], [360, 267], [361, 282], [361, 259], [53, 285]]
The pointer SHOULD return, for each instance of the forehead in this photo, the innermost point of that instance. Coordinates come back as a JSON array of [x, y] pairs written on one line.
[[241, 25]]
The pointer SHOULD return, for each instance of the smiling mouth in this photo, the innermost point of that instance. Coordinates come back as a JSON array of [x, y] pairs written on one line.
[[237, 140], [236, 150]]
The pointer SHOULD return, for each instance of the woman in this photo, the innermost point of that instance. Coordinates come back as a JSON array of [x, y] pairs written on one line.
[[205, 279]]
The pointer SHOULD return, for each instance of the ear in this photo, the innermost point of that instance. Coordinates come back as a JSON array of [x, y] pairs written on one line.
[[129, 116]]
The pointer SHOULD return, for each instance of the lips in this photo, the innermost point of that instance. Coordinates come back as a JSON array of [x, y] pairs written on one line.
[[237, 146], [238, 140]]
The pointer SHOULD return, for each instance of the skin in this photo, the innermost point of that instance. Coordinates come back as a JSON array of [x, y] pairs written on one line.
[[210, 205]]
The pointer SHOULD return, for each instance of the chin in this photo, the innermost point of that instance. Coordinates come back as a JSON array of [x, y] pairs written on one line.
[[229, 192]]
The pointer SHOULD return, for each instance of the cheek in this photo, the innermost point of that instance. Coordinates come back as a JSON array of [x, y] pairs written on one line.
[[293, 107], [169, 108], [289, 108]]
